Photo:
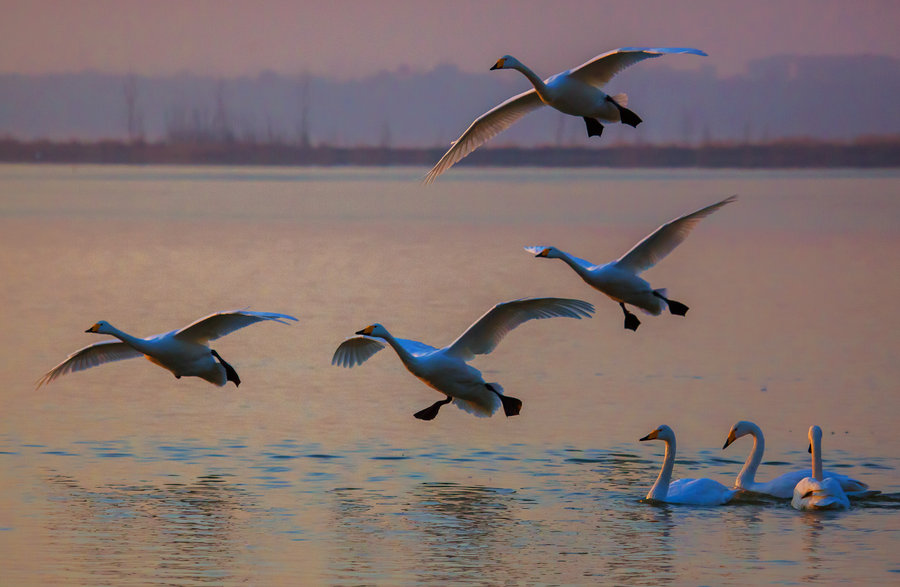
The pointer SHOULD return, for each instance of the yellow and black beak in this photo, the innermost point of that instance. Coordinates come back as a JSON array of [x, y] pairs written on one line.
[[93, 328], [367, 330], [498, 65], [731, 438], [652, 436], [543, 253], [810, 449]]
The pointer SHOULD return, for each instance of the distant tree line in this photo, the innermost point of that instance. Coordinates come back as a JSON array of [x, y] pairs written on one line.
[[868, 152]]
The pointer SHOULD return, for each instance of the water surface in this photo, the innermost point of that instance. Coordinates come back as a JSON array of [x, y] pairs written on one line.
[[310, 473]]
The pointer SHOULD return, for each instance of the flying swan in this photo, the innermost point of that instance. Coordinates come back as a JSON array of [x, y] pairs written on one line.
[[783, 485], [619, 279], [818, 492], [684, 491], [184, 352], [446, 369], [576, 92]]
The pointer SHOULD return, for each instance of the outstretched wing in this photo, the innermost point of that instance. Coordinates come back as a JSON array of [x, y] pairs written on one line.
[[356, 350], [485, 127], [664, 239], [218, 325], [599, 70], [98, 353], [486, 333]]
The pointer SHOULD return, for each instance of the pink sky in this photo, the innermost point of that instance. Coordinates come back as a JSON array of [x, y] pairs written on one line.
[[350, 39]]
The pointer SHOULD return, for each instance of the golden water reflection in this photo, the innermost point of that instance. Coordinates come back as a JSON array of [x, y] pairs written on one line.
[[193, 531]]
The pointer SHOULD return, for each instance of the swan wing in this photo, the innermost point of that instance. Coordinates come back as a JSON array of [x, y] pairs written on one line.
[[486, 333], [812, 494], [664, 239], [356, 350], [414, 347], [485, 127], [699, 492], [218, 325], [98, 353], [599, 70], [850, 485]]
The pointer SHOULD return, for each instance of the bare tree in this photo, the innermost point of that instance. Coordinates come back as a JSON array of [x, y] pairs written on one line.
[[133, 115], [221, 124], [386, 138], [303, 129]]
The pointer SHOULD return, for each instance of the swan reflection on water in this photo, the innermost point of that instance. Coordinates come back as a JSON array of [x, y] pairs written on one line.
[[174, 532], [437, 531]]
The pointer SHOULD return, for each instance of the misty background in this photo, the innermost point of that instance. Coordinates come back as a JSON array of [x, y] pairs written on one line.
[[835, 98]]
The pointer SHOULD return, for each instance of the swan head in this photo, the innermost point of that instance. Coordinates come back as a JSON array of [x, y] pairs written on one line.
[[815, 436], [376, 330], [546, 252], [661, 433], [742, 428], [506, 62], [102, 327]]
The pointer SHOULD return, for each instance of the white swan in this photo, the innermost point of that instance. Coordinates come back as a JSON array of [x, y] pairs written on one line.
[[783, 485], [446, 369], [619, 279], [685, 491], [184, 352], [818, 492], [576, 92]]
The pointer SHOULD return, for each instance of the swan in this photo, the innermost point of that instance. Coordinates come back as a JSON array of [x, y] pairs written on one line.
[[684, 491], [575, 92], [446, 369], [783, 485], [818, 492], [184, 352], [619, 279]]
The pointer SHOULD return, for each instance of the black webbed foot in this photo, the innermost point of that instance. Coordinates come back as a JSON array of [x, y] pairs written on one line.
[[431, 411], [594, 128], [629, 117], [230, 373], [512, 406], [631, 321], [625, 115], [676, 308]]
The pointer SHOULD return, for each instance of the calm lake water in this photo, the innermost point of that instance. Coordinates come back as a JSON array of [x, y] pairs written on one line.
[[313, 474]]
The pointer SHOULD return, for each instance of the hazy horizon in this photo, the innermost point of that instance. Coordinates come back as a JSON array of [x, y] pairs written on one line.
[[351, 40], [778, 98]]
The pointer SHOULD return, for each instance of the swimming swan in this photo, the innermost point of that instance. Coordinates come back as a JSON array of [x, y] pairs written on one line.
[[818, 492], [446, 369], [576, 92], [184, 352], [685, 491], [619, 279], [783, 485]]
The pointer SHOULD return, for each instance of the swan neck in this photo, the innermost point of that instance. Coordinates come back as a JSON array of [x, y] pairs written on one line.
[[571, 262], [128, 339], [747, 476], [817, 460], [661, 488], [537, 82], [399, 349]]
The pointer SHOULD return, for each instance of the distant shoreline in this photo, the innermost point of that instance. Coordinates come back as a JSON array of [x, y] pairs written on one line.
[[864, 153]]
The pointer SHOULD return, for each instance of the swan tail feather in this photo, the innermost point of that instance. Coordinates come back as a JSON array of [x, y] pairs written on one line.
[[621, 99], [475, 409]]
